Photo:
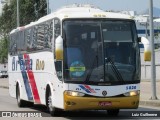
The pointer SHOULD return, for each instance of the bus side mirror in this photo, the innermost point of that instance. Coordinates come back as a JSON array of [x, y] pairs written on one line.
[[147, 49], [59, 48]]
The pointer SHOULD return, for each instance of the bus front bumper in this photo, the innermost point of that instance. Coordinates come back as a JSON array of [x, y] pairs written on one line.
[[93, 103]]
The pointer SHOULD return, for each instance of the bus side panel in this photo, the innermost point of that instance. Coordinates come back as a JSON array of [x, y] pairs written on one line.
[[42, 73], [15, 77], [43, 70], [12, 85], [45, 73], [58, 98]]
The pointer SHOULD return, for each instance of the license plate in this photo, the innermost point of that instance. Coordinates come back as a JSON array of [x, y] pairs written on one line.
[[105, 103]]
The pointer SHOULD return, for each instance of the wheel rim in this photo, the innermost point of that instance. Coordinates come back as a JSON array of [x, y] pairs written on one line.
[[50, 103]]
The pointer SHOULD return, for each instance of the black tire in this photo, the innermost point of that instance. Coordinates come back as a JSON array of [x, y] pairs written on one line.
[[52, 110], [20, 102], [113, 112]]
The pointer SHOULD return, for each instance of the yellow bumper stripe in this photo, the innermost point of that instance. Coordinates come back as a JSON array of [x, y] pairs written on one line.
[[90, 103]]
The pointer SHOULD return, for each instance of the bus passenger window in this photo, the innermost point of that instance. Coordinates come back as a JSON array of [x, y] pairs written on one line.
[[40, 37], [56, 28], [21, 47], [13, 44], [48, 34], [29, 39]]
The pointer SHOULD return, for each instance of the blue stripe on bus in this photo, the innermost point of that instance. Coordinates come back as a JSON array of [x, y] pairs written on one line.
[[25, 77], [84, 88]]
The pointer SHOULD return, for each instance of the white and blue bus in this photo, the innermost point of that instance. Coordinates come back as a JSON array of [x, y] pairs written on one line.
[[77, 58]]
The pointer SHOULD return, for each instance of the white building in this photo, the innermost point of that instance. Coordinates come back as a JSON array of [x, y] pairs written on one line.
[[142, 23], [157, 20]]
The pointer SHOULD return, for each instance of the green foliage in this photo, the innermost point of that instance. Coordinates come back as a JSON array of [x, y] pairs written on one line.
[[5, 21], [3, 50], [29, 10]]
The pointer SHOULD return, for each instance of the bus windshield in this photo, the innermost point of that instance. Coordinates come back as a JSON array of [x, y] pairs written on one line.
[[100, 51]]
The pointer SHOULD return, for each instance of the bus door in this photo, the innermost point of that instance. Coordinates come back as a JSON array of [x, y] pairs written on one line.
[[58, 67]]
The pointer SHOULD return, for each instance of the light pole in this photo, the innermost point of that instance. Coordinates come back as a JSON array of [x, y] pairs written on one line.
[[153, 72], [47, 6], [17, 13]]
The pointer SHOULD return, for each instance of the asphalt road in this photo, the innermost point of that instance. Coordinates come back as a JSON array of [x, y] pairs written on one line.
[[8, 103]]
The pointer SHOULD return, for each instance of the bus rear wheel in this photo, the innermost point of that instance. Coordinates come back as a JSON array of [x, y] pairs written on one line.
[[113, 112], [20, 102]]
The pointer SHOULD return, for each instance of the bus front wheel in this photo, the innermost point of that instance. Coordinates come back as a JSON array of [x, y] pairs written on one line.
[[50, 107], [113, 112]]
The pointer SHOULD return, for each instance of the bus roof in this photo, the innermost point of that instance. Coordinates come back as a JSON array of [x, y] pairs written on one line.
[[76, 11], [84, 11]]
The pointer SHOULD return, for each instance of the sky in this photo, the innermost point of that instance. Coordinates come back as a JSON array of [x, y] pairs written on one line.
[[133, 5]]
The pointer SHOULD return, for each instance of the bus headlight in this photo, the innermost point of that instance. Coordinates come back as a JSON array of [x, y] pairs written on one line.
[[132, 93], [74, 93]]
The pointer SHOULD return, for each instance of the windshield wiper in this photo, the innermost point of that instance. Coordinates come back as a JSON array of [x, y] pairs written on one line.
[[114, 69], [91, 70]]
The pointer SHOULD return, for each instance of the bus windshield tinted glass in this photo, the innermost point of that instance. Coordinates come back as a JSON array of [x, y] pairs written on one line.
[[117, 32], [100, 51]]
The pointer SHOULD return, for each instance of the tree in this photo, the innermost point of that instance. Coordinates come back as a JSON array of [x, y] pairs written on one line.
[[6, 21], [3, 50], [29, 10], [40, 8]]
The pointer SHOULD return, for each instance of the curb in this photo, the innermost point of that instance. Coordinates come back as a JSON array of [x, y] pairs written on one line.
[[153, 103]]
